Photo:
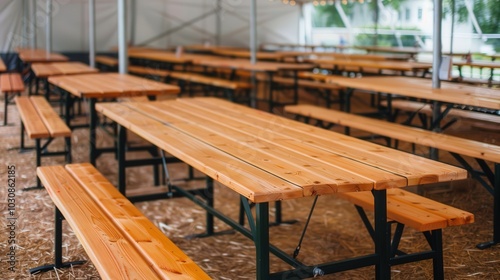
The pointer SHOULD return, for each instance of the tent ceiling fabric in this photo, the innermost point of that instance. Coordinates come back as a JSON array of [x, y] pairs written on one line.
[[276, 23]]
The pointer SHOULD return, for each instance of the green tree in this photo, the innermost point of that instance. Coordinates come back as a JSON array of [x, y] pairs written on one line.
[[487, 13]]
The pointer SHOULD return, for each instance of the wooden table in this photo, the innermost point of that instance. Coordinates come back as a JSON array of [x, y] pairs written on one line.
[[45, 70], [105, 85], [345, 56], [39, 55], [403, 66], [261, 66], [266, 158], [171, 58], [276, 56], [449, 93]]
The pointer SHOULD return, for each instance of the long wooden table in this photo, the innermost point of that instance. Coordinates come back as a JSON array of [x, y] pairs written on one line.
[[261, 66], [40, 55], [338, 65], [448, 96], [105, 85], [266, 158], [45, 70]]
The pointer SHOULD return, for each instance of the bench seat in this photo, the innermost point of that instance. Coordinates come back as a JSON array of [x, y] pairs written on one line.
[[231, 87], [119, 240], [413, 210], [426, 109], [11, 85], [471, 148], [107, 63], [39, 121]]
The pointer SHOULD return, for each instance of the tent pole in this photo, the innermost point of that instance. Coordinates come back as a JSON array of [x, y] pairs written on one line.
[[92, 33], [133, 20], [122, 38], [253, 50], [33, 24], [436, 62], [48, 27], [218, 24]]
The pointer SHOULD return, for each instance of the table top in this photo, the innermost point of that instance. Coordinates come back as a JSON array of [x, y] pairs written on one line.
[[246, 54], [171, 57], [40, 55], [244, 64], [347, 56], [111, 85], [422, 88], [265, 157], [388, 65], [43, 70], [3, 68]]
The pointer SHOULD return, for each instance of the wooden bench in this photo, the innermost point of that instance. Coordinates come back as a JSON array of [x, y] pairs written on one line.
[[11, 84], [186, 78], [40, 121], [424, 111], [458, 147], [106, 63], [324, 88], [119, 240]]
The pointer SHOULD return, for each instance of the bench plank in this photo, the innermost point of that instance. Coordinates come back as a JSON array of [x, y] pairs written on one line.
[[55, 125], [11, 82], [386, 159], [239, 176], [106, 60], [414, 106], [413, 210], [415, 135], [35, 128], [163, 255], [112, 255]]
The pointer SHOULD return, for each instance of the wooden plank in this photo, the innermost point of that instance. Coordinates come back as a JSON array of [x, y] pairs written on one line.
[[414, 106], [419, 136], [11, 83], [33, 124], [307, 83], [106, 60], [111, 253], [416, 169], [56, 126], [163, 255], [111, 85], [418, 212], [247, 180], [331, 173]]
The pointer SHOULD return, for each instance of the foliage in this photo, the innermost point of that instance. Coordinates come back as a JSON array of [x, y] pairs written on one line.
[[487, 13], [386, 40]]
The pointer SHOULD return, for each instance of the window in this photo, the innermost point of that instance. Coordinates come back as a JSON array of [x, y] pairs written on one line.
[[419, 13], [407, 14]]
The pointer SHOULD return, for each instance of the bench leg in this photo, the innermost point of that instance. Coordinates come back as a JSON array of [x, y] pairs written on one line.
[[437, 261], [58, 263], [68, 149]]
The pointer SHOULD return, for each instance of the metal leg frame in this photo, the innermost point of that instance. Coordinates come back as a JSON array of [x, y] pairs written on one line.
[[58, 263], [397, 257]]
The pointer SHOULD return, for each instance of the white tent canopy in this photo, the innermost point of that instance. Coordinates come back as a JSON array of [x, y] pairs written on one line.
[[180, 23]]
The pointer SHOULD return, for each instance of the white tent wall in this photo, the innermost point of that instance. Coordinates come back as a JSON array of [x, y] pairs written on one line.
[[11, 14], [275, 23]]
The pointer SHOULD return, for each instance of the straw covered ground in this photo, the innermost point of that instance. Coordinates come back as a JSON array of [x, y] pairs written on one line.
[[335, 231]]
